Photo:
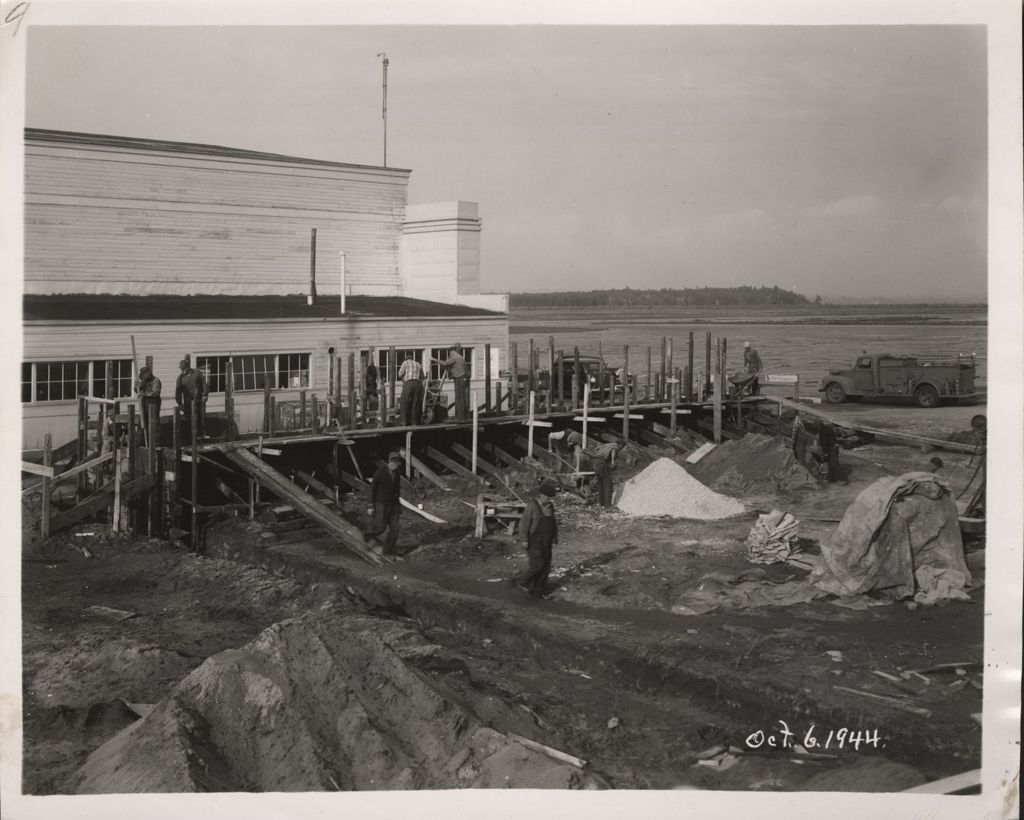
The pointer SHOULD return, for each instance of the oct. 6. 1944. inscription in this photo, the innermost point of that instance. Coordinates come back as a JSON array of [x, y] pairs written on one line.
[[780, 736]]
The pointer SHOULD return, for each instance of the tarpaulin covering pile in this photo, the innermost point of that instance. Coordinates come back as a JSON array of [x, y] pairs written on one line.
[[901, 535]]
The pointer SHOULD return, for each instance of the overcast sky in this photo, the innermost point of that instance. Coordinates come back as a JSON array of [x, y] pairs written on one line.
[[832, 160]]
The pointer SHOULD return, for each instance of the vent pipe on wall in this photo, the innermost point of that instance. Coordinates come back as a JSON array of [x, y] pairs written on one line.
[[342, 255], [311, 297]]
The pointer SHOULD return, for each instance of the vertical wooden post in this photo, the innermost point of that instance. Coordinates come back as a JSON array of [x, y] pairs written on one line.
[[647, 385], [561, 379], [707, 365], [529, 449], [273, 415], [531, 383], [673, 393], [487, 378], [108, 381], [476, 428], [725, 368], [337, 389], [689, 369], [44, 512], [548, 405], [195, 477], [115, 520], [497, 397], [331, 378], [625, 392], [130, 506], [151, 469], [353, 419], [302, 410], [669, 368], [266, 407], [600, 381], [314, 418], [664, 363], [408, 454], [576, 378], [718, 395], [586, 411], [513, 392], [252, 499], [229, 399], [337, 474], [365, 415], [393, 373], [83, 447]]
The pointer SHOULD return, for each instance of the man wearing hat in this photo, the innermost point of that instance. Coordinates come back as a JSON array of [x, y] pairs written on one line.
[[385, 495], [148, 389], [456, 363], [752, 365], [191, 391], [539, 530]]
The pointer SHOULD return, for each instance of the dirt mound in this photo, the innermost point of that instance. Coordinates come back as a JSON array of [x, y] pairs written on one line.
[[665, 488], [313, 704], [752, 464], [86, 673]]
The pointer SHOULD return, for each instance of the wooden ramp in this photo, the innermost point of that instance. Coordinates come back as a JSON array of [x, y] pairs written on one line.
[[309, 507], [885, 436]]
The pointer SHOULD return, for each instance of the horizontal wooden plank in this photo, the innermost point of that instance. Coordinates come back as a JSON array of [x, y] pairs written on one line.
[[37, 469]]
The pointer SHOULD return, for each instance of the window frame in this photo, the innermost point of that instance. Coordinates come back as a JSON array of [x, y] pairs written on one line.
[[278, 356], [91, 375]]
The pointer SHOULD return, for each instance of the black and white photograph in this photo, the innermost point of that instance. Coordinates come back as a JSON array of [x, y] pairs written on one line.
[[418, 403]]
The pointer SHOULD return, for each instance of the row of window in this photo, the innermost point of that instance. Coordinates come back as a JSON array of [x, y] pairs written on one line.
[[65, 381]]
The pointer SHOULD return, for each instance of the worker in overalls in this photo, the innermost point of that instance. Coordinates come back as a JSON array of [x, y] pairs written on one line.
[[539, 530]]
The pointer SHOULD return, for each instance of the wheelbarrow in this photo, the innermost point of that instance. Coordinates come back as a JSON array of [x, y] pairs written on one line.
[[742, 384]]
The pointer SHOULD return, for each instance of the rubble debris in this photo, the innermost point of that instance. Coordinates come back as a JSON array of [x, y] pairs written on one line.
[[665, 488], [755, 463], [772, 539]]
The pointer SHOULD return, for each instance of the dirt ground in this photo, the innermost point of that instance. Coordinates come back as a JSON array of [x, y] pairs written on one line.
[[603, 670]]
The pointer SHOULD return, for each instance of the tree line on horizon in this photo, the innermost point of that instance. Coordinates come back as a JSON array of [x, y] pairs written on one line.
[[742, 296]]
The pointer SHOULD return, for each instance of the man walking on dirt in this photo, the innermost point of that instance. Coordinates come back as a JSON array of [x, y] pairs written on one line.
[[538, 529], [191, 391], [456, 363], [385, 495], [410, 406], [752, 365]]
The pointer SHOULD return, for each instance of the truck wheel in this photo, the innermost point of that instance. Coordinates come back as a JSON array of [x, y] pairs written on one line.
[[834, 393], [927, 396]]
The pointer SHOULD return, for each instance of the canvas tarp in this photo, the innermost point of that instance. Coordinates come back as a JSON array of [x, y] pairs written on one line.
[[901, 534]]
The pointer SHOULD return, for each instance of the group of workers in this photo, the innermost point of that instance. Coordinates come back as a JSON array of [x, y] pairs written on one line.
[[190, 391], [411, 375]]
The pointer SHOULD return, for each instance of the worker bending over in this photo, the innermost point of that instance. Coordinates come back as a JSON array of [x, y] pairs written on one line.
[[598, 460]]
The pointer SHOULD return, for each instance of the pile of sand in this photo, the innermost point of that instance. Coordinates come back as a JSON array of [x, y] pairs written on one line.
[[752, 464], [321, 703], [665, 488]]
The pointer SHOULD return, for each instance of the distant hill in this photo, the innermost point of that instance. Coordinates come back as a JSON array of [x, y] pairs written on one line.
[[688, 297]]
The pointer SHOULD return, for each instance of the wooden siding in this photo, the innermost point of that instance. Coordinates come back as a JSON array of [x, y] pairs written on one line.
[[102, 220], [168, 342]]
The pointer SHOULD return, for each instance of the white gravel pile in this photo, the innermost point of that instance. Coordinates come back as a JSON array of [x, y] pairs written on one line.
[[665, 488]]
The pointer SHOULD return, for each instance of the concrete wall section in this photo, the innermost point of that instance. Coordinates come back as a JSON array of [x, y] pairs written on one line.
[[167, 343], [115, 220]]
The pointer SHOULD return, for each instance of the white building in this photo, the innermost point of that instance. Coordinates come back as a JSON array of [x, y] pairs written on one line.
[[210, 252]]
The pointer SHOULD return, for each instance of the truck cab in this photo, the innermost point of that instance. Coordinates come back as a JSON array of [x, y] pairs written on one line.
[[926, 380]]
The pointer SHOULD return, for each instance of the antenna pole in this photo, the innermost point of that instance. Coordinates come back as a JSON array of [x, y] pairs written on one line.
[[384, 110]]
